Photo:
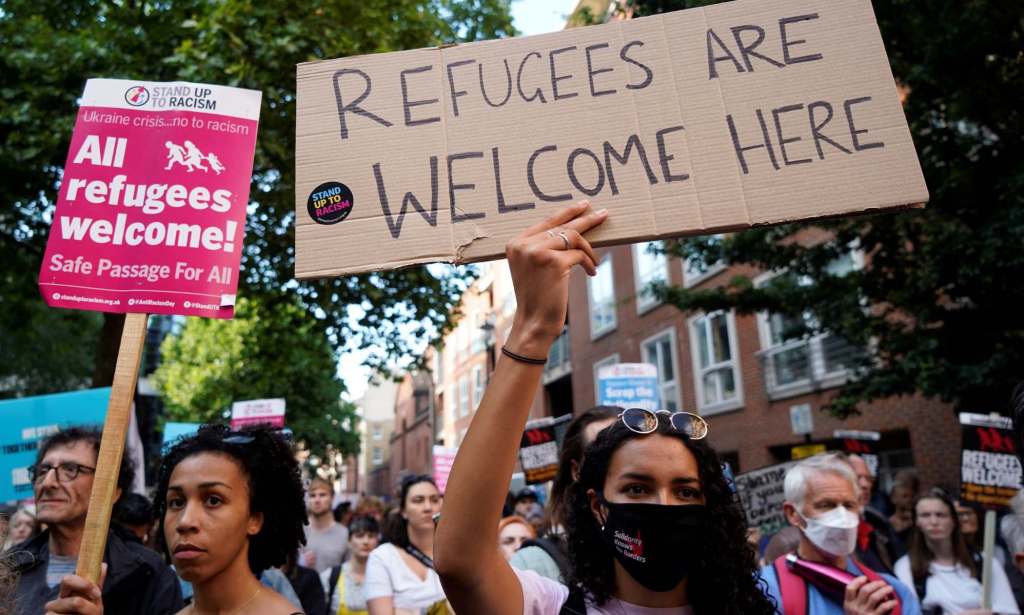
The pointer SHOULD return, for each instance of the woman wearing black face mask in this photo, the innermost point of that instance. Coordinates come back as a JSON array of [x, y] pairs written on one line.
[[652, 526]]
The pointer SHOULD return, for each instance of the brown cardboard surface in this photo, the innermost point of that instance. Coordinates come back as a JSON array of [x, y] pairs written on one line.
[[818, 58]]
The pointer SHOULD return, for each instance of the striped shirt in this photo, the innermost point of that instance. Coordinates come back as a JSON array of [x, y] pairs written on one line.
[[59, 567]]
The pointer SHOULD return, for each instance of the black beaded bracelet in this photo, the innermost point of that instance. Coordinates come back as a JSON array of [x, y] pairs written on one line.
[[518, 357]]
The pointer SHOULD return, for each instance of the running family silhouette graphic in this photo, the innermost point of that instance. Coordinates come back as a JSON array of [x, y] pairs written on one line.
[[191, 158]]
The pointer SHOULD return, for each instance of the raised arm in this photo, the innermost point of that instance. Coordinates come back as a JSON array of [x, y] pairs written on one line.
[[476, 578]]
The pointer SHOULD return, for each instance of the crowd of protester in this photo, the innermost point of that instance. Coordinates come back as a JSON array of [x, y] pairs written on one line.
[[641, 518]]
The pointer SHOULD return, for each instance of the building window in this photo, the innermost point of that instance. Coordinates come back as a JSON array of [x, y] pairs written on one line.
[[650, 267], [464, 340], [508, 305], [605, 362], [463, 396], [695, 270], [478, 385], [377, 435], [717, 378], [378, 456], [795, 361], [660, 351], [439, 366], [479, 335], [601, 291]]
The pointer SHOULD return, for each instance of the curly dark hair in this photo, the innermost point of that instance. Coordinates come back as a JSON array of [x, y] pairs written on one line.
[[275, 486], [724, 576]]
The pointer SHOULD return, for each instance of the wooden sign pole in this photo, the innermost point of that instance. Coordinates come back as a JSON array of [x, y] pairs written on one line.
[[108, 463]]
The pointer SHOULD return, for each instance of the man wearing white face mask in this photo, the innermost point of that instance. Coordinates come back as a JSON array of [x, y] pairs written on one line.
[[822, 500]]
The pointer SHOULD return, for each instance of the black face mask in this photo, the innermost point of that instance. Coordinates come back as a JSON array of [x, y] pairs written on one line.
[[655, 543]]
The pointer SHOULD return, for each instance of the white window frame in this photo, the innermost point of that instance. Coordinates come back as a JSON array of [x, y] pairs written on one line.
[[479, 385], [377, 433], [377, 456], [612, 359], [464, 396], [439, 366], [818, 378], [645, 299], [699, 370], [670, 333], [692, 279], [610, 304]]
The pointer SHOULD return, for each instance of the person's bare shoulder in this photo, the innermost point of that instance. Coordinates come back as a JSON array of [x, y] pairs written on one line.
[[273, 603]]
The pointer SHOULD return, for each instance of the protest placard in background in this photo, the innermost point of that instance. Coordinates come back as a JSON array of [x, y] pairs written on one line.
[[258, 412], [30, 419], [861, 443], [629, 385], [698, 121], [761, 494], [539, 448], [443, 459], [990, 473], [151, 209]]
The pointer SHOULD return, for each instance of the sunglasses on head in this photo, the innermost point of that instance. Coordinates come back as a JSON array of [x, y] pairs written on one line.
[[644, 421]]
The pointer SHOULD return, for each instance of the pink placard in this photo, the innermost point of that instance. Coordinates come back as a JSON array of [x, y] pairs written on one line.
[[151, 210], [444, 458], [273, 421]]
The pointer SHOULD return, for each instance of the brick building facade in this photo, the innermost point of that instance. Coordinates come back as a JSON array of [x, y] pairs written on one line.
[[411, 438], [739, 371]]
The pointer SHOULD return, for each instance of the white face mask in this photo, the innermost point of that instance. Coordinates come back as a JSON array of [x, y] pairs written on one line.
[[834, 532]]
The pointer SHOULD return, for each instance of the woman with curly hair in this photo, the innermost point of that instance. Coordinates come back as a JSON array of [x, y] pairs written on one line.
[[652, 525], [230, 505]]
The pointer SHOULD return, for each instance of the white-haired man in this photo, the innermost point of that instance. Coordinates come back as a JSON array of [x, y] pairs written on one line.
[[823, 500]]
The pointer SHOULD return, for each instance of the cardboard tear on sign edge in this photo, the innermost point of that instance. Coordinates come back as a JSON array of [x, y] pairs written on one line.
[[455, 257]]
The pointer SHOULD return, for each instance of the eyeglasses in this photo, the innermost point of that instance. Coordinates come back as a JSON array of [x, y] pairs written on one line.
[[644, 421], [66, 471]]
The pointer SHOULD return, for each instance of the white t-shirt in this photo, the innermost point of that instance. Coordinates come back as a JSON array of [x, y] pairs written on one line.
[[388, 575], [953, 589], [542, 596]]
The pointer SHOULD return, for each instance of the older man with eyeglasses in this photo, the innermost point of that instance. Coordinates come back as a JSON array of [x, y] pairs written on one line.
[[137, 581]]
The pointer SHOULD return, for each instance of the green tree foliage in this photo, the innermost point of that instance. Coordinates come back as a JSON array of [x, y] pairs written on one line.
[[941, 301], [272, 348], [51, 48]]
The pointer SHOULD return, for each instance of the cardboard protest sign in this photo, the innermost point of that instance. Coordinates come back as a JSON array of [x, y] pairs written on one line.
[[990, 473], [258, 412], [30, 419], [151, 210], [630, 385], [761, 494], [697, 121], [538, 451]]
